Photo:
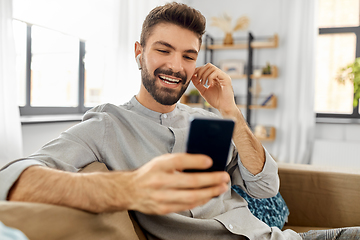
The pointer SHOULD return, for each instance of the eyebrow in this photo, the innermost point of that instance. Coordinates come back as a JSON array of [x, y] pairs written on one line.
[[172, 47]]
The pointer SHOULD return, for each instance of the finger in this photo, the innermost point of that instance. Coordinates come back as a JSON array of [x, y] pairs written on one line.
[[195, 78], [212, 70], [213, 79], [163, 201], [195, 180], [161, 205], [202, 70], [181, 161], [180, 200], [206, 76], [200, 76], [197, 69], [196, 81]]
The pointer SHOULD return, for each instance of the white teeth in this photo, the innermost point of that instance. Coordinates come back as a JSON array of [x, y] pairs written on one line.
[[174, 83], [170, 80]]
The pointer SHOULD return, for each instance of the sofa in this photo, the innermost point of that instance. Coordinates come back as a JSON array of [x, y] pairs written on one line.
[[317, 198], [320, 197]]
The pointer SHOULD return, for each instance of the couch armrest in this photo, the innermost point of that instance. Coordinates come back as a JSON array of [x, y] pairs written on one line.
[[320, 196], [45, 221]]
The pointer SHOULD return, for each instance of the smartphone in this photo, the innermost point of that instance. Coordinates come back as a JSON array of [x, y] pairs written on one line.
[[211, 137]]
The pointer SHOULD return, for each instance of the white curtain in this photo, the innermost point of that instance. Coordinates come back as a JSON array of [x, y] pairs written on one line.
[[110, 29], [122, 78], [296, 123], [10, 126]]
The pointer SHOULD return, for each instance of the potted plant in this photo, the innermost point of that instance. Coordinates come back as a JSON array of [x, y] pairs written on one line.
[[352, 73], [194, 96], [267, 70]]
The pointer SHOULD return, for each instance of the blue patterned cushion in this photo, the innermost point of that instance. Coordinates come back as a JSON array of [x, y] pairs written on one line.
[[272, 211]]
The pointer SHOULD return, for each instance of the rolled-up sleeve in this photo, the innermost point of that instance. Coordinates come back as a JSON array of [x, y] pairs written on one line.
[[72, 150], [262, 185], [10, 173]]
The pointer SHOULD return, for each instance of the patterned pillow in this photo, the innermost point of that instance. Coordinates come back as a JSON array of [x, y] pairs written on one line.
[[272, 211]]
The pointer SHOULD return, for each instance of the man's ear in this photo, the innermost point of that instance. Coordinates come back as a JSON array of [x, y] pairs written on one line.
[[138, 52]]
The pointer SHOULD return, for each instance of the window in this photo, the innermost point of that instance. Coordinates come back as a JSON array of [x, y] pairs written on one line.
[[60, 62], [54, 69], [56, 73], [337, 46], [94, 61], [71, 57]]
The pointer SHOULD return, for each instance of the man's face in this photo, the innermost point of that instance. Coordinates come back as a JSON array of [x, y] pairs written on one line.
[[168, 62]]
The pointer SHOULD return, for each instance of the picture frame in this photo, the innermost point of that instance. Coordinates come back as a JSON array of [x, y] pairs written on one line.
[[233, 66]]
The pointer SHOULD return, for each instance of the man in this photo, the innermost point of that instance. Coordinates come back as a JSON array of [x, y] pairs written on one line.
[[145, 139]]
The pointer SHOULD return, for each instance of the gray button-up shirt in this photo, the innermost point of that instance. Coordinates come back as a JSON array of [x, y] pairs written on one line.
[[128, 136]]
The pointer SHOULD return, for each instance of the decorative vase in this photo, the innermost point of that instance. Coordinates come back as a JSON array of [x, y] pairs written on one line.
[[228, 40]]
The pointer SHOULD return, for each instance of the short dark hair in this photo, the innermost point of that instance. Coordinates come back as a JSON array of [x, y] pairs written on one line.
[[175, 13]]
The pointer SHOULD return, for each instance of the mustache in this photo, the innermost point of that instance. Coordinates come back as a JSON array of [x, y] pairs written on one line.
[[169, 72]]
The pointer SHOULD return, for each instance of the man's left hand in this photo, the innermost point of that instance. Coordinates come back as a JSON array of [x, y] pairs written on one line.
[[215, 87]]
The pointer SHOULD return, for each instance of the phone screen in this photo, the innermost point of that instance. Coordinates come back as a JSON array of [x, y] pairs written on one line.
[[211, 137]]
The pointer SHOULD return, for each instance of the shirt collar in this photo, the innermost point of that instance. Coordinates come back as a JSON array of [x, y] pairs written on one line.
[[138, 107]]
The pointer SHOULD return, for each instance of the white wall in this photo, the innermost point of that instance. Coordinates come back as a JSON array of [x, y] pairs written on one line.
[[338, 132], [37, 135], [264, 22], [337, 145]]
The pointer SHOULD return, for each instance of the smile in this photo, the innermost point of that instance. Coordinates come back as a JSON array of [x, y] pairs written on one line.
[[169, 80]]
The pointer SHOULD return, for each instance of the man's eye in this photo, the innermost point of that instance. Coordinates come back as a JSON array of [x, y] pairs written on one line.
[[162, 51], [189, 58]]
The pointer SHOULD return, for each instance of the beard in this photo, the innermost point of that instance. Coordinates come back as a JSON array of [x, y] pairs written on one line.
[[163, 95]]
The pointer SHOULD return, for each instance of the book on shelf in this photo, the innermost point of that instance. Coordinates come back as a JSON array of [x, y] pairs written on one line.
[[267, 100]]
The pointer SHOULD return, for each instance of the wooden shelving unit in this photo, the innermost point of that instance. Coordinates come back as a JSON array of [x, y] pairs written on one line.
[[272, 104], [271, 42], [273, 75], [271, 135], [250, 44]]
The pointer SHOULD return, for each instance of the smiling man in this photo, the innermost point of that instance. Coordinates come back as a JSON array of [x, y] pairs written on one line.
[[142, 143], [168, 60]]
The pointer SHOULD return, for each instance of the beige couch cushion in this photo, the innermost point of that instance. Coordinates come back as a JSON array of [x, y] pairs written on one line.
[[45, 221], [320, 197]]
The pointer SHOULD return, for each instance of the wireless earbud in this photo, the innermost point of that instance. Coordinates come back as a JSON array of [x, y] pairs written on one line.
[[138, 61]]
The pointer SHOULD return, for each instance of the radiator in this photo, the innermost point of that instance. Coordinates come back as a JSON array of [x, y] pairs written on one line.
[[336, 153]]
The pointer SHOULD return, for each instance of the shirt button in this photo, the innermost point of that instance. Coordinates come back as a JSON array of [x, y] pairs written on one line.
[[164, 115], [231, 226]]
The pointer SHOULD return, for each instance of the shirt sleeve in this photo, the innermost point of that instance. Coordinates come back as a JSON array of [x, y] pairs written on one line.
[[10, 173], [262, 185], [72, 150]]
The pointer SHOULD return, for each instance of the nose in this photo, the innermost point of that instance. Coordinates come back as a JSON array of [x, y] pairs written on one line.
[[175, 63]]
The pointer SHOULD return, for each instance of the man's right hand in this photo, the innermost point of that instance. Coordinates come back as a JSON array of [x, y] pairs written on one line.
[[158, 187]]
